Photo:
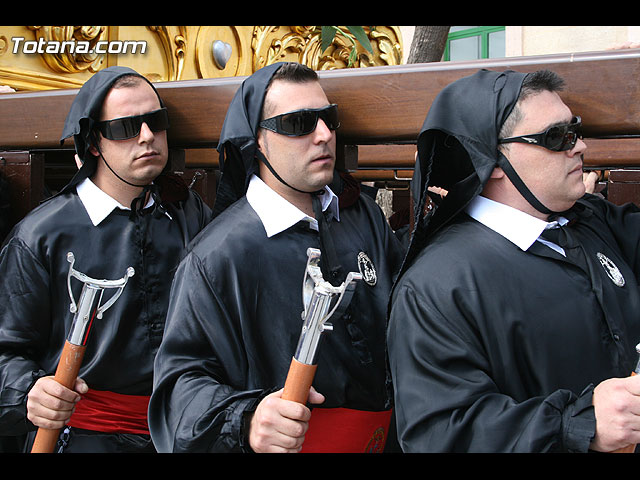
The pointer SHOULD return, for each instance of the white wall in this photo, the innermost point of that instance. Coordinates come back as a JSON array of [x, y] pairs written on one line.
[[540, 40]]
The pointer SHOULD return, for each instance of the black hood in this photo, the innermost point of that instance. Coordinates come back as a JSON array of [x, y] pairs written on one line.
[[85, 111], [458, 145], [238, 138]]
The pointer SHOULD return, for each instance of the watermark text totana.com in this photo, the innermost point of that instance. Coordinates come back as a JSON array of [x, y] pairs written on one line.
[[20, 45]]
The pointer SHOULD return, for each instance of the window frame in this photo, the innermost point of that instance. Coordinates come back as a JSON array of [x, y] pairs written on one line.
[[482, 32]]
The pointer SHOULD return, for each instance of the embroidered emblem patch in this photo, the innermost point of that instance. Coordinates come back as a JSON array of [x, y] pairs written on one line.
[[611, 268], [367, 270], [377, 441]]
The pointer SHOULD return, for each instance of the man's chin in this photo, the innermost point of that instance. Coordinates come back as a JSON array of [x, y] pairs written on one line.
[[323, 180], [148, 174]]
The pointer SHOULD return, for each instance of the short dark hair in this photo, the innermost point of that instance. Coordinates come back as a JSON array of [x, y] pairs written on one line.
[[127, 80], [542, 80], [290, 72], [534, 83], [295, 72]]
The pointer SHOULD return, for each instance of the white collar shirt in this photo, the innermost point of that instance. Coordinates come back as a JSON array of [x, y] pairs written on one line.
[[515, 225], [278, 214], [97, 203]]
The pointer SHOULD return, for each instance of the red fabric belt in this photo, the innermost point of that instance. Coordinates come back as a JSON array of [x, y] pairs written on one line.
[[342, 430], [110, 412]]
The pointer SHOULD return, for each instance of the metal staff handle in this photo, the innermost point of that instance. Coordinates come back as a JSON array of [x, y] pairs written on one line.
[[321, 301], [85, 311]]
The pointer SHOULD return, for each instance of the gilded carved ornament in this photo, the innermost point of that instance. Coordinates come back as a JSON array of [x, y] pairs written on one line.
[[67, 61], [303, 44], [186, 52], [174, 43]]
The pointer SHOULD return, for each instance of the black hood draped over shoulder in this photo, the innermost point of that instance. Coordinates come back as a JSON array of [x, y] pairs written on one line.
[[84, 114], [239, 137], [458, 146]]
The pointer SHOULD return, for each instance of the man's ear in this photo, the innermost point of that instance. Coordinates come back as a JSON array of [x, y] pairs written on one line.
[[497, 173], [260, 140], [93, 142]]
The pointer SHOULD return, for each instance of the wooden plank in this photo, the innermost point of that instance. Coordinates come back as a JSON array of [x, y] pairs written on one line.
[[378, 104], [624, 187], [612, 152], [197, 109], [601, 153], [386, 156], [33, 119], [25, 173]]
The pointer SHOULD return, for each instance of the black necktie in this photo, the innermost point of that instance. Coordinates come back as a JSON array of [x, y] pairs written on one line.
[[563, 237], [329, 263]]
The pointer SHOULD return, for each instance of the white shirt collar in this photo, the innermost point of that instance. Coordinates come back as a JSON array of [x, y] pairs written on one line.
[[515, 225], [278, 214], [97, 203]]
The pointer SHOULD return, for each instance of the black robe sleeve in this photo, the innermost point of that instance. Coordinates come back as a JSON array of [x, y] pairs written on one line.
[[448, 401], [25, 328], [203, 410]]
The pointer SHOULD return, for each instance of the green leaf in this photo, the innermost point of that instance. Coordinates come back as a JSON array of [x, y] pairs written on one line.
[[327, 34], [361, 37]]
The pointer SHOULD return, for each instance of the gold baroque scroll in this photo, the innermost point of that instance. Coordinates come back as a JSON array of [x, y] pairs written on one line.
[[304, 44], [174, 43], [67, 60]]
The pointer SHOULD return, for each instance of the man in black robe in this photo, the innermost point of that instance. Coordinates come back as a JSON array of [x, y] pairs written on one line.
[[501, 340], [235, 315], [122, 209]]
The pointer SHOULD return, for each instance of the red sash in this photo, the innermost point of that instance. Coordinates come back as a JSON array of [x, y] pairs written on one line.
[[111, 412], [342, 430]]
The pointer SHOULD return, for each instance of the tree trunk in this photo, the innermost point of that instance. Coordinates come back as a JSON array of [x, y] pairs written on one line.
[[428, 44]]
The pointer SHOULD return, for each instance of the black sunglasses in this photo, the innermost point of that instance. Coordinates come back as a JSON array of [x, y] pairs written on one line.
[[302, 122], [558, 138], [129, 127]]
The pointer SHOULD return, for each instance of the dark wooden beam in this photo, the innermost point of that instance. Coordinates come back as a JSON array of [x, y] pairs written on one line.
[[377, 104]]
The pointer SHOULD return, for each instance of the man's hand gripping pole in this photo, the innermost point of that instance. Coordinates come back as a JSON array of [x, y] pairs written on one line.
[[85, 311], [631, 448], [321, 301]]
